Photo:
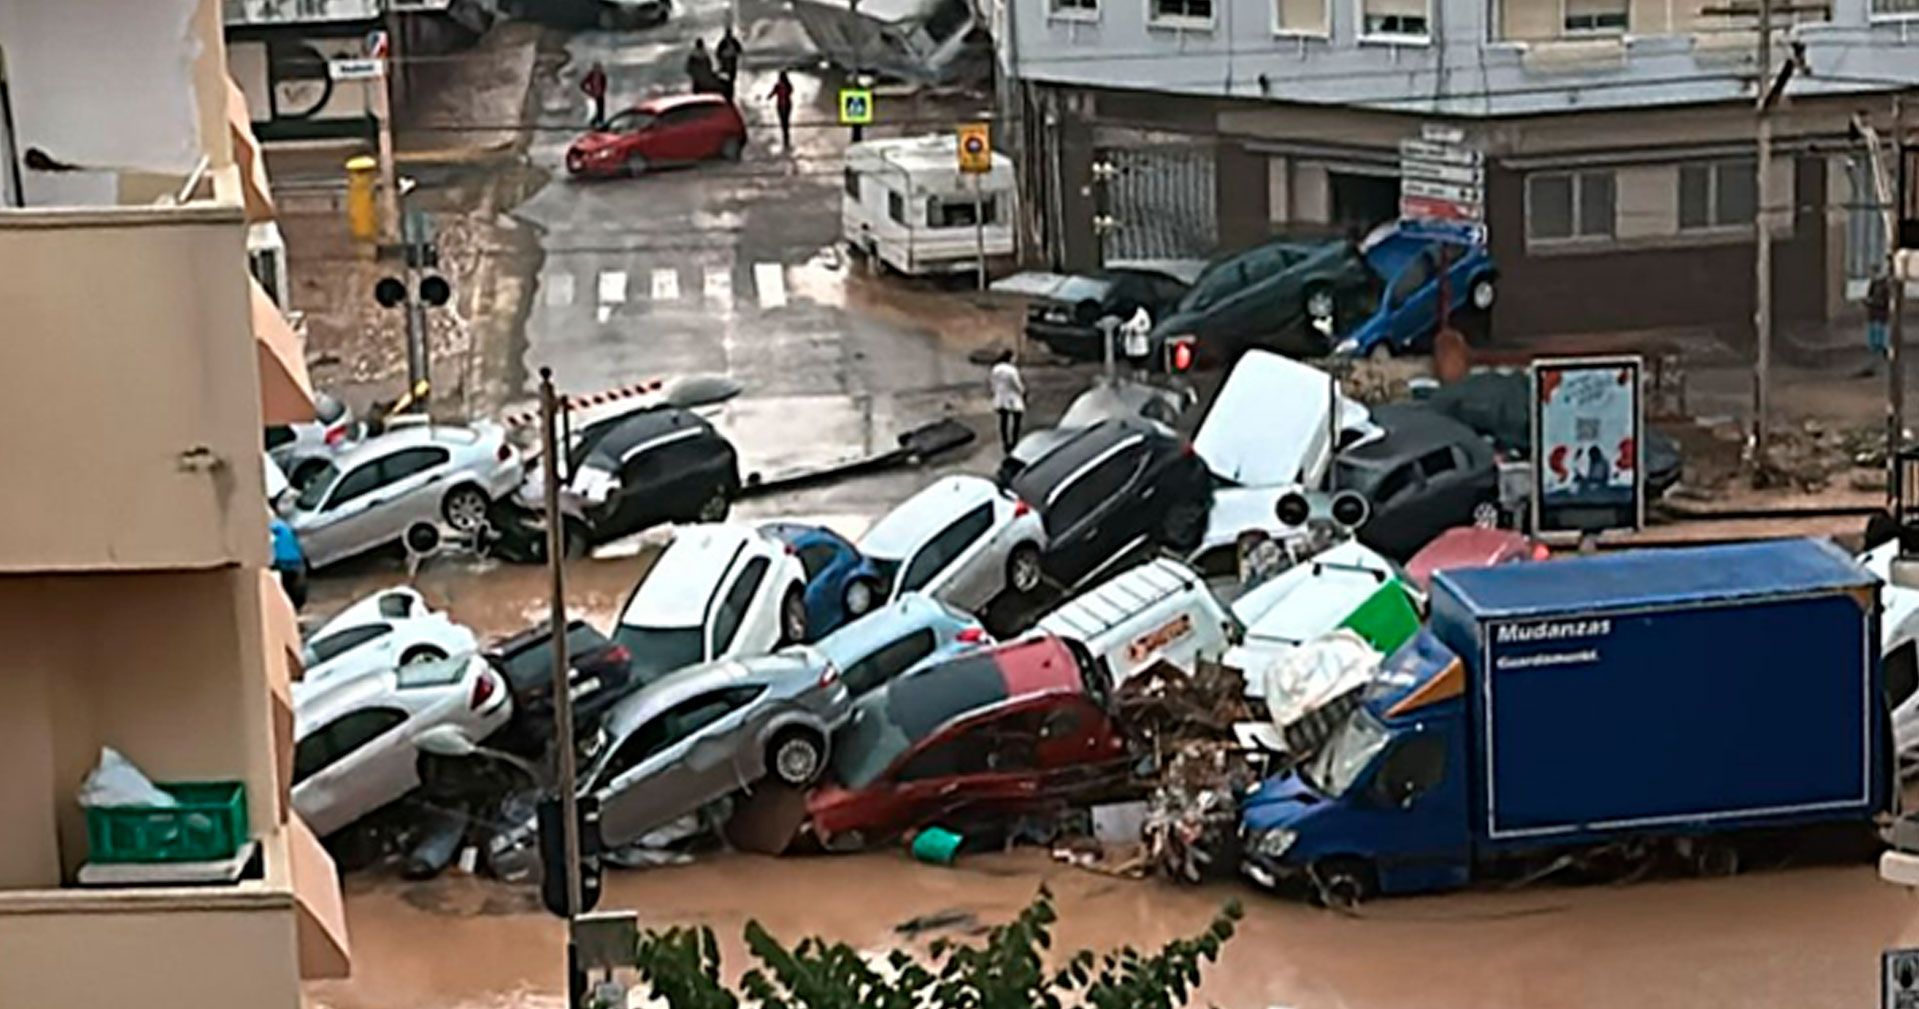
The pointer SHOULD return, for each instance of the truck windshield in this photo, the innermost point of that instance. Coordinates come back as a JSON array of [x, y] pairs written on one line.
[[1333, 769]]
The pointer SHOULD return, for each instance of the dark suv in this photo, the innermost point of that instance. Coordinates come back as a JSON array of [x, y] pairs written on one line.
[[1114, 489]]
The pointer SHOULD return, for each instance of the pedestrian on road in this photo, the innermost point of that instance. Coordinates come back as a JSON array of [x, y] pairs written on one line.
[[782, 95], [728, 53], [699, 67], [594, 86], [1878, 315], [1009, 398]]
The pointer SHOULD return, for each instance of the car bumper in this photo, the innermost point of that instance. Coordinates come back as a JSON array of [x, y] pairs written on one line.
[[1066, 339]]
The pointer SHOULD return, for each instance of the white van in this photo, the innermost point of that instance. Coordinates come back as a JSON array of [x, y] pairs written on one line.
[[1158, 611], [908, 205]]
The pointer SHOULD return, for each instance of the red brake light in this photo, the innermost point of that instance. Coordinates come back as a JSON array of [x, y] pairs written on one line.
[[970, 635], [617, 655], [1020, 507], [336, 435], [483, 689], [1180, 357], [829, 675], [1541, 551]]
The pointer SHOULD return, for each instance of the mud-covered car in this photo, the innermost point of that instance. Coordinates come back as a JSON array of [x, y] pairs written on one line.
[[1284, 295]]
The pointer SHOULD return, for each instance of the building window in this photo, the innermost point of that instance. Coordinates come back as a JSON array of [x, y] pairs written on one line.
[[1900, 9], [1562, 206], [1595, 17], [1301, 17], [1718, 194], [1076, 8], [1181, 11], [1394, 19]]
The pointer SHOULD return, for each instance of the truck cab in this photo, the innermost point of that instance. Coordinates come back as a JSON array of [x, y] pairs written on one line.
[[1381, 807]]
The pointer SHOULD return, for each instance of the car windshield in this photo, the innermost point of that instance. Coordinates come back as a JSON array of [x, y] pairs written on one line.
[[1077, 289], [630, 121], [316, 488], [869, 744], [657, 651], [1334, 768]]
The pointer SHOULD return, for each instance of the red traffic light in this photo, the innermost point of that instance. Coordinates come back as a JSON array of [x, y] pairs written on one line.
[[1180, 354]]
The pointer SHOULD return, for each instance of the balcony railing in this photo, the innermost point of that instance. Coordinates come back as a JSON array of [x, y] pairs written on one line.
[[277, 12]]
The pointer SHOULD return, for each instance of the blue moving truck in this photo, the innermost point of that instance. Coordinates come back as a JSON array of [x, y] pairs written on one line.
[[1645, 700]]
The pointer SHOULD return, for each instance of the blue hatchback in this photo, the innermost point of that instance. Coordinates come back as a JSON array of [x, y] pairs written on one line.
[[1406, 260], [841, 582], [911, 633]]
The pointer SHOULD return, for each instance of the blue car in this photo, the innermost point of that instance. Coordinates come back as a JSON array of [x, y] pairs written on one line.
[[913, 632], [841, 582], [1406, 260], [290, 561]]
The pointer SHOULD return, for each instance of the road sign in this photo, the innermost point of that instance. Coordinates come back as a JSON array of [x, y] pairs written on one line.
[[1444, 154], [1440, 179], [355, 69], [975, 148], [375, 44], [856, 107], [1433, 171], [1467, 195]]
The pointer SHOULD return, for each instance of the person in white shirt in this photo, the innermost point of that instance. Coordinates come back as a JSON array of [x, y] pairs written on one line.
[[1009, 398]]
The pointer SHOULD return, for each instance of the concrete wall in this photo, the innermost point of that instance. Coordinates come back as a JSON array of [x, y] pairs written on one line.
[[129, 332], [169, 669]]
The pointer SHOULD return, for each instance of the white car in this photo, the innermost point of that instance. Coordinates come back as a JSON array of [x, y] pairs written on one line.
[[354, 748], [392, 627], [718, 590], [961, 540], [1304, 602], [1898, 650]]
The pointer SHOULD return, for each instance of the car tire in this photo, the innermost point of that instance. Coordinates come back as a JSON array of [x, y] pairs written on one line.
[[1482, 293], [862, 594], [1343, 883], [1319, 302], [796, 757], [636, 164], [422, 653], [1024, 570], [792, 618], [715, 508], [733, 148], [465, 508]]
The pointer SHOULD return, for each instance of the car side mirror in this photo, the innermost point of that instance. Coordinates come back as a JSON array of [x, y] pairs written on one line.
[[445, 741]]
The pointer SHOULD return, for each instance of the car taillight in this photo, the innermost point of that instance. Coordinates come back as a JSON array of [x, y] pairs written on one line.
[[336, 435], [1020, 507], [970, 636], [617, 655], [829, 675], [1541, 551], [483, 689], [1180, 354]]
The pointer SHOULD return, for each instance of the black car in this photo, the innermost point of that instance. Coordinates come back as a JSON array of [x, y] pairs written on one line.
[[600, 672], [1498, 405], [625, 474], [1427, 474], [1112, 489], [1066, 317], [1271, 296]]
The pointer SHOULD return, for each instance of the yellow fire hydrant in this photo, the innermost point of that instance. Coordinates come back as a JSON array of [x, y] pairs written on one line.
[[362, 209]]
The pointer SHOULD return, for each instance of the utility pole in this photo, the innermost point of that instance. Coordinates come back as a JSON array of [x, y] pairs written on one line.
[[380, 46], [1762, 244], [562, 689], [1895, 327]]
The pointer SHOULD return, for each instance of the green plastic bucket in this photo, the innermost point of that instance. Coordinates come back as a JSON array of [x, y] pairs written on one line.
[[936, 846]]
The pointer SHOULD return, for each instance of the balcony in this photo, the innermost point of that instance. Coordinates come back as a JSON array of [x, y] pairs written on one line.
[[294, 12]]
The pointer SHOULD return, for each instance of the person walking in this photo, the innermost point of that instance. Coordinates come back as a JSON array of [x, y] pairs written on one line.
[[699, 67], [1009, 398], [782, 95], [593, 85], [728, 53], [1878, 318]]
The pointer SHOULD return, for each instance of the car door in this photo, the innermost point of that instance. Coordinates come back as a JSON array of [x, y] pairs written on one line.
[[413, 485], [350, 519], [1091, 520], [1414, 299], [734, 628], [1450, 493], [680, 760], [352, 766], [1252, 308], [366, 644], [989, 765], [885, 663], [953, 566], [1415, 801], [674, 136]]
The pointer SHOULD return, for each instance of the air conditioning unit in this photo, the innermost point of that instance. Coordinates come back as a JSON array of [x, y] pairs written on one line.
[[267, 260]]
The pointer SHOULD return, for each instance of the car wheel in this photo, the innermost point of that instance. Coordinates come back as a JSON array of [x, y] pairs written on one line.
[[845, 842], [796, 757], [861, 594], [1486, 515], [1342, 883], [1183, 525], [792, 618], [714, 509], [1319, 303], [465, 508], [422, 653], [1483, 294], [732, 148], [1023, 569], [636, 164]]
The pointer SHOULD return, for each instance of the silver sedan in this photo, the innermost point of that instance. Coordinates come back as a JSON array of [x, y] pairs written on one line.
[[421, 473]]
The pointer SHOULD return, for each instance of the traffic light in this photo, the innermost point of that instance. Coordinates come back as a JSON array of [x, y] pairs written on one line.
[[553, 854], [1180, 352], [390, 292], [434, 290]]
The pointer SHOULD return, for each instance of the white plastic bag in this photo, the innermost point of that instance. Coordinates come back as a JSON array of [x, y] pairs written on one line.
[[116, 782]]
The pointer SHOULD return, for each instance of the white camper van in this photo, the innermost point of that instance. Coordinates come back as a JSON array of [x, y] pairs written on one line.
[[908, 205]]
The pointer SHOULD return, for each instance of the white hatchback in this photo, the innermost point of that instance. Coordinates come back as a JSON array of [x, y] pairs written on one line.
[[961, 540], [718, 590], [391, 627]]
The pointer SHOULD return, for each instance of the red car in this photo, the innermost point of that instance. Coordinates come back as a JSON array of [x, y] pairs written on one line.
[[1472, 547], [670, 130], [995, 731]]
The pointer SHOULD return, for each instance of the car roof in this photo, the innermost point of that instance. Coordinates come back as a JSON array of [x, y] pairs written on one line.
[[1036, 482], [639, 707], [1121, 597], [663, 103], [922, 515], [675, 590], [408, 436], [1410, 431], [910, 612], [645, 426]]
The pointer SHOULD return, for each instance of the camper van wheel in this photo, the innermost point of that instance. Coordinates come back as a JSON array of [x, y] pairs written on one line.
[[1342, 883]]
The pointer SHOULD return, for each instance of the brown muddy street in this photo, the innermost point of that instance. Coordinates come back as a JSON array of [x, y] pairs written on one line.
[[1790, 939]]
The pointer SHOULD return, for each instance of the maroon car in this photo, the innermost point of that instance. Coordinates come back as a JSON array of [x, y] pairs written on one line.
[[669, 130], [993, 732]]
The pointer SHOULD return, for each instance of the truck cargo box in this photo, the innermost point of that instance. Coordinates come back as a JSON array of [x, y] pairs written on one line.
[[1666, 690]]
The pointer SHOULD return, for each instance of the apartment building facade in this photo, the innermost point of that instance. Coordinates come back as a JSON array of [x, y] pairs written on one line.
[[140, 361], [1618, 138]]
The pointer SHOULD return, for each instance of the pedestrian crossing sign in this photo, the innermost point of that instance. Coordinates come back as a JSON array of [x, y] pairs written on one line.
[[856, 107]]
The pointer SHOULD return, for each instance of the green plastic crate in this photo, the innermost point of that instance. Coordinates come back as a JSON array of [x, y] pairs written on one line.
[[209, 824]]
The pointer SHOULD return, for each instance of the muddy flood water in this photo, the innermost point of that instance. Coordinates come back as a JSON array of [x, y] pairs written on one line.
[[1775, 938]]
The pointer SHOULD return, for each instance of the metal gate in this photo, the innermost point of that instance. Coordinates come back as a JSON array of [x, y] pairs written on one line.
[[1161, 201]]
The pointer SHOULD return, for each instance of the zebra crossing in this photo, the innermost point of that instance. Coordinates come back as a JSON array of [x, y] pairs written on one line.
[[708, 287]]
